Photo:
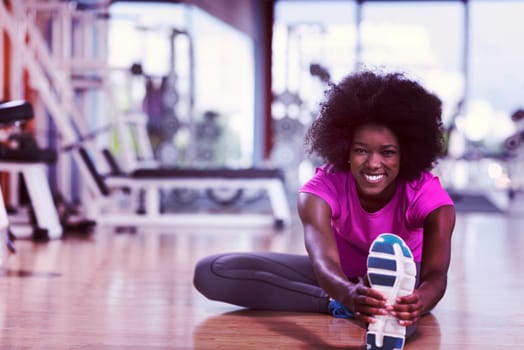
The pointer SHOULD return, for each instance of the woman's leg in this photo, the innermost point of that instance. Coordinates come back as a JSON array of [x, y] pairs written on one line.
[[264, 280], [267, 281]]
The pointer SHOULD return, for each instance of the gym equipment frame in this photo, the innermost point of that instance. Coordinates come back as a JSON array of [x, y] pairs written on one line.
[[152, 181]]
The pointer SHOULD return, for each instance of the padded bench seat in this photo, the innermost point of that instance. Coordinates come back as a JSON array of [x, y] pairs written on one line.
[[196, 173], [15, 111], [199, 173]]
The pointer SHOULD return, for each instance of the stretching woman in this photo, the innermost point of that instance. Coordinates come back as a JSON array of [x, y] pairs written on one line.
[[379, 134]]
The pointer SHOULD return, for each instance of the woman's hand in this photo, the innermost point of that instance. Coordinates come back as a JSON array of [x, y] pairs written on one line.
[[407, 309], [365, 302], [436, 254]]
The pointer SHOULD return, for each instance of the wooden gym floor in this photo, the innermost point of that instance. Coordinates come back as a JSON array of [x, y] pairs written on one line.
[[134, 291]]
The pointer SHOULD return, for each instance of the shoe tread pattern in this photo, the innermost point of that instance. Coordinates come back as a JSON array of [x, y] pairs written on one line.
[[392, 271]]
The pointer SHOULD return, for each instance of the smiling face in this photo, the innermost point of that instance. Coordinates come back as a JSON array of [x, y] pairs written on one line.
[[375, 163]]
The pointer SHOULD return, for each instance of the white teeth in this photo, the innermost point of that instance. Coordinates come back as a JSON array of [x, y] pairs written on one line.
[[373, 178]]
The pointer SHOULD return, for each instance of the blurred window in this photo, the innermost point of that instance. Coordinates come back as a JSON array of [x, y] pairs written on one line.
[[496, 79], [423, 39], [183, 46]]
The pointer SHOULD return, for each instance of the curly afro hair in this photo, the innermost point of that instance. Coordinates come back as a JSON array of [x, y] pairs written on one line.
[[411, 112]]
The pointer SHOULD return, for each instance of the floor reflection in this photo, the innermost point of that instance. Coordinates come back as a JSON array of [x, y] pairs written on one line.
[[427, 336], [282, 330]]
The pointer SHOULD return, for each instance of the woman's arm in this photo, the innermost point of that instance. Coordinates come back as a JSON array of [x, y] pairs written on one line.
[[436, 255], [315, 215]]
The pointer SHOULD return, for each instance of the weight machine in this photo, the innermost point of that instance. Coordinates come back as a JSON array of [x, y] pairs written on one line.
[[62, 83]]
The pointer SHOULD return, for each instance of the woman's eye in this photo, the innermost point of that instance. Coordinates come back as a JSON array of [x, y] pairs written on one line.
[[360, 151], [389, 153]]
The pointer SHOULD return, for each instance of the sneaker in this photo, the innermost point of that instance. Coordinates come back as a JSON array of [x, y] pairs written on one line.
[[338, 310], [392, 271]]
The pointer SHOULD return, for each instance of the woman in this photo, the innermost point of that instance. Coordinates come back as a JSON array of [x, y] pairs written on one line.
[[379, 135]]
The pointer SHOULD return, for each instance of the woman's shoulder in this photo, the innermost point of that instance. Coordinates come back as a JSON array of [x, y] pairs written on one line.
[[328, 171], [330, 185], [425, 179], [326, 176], [427, 186]]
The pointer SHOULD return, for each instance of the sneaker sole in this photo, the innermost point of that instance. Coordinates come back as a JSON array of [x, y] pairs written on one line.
[[392, 271]]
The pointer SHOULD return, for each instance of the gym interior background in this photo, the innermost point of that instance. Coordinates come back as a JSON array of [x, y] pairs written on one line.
[[200, 85], [126, 115], [207, 104]]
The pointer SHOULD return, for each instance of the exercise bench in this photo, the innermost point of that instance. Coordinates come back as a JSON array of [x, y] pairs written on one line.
[[152, 180], [32, 166]]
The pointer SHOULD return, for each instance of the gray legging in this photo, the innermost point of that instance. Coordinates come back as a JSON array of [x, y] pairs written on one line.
[[263, 280]]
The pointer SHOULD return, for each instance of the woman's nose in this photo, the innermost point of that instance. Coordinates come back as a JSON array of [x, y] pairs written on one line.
[[374, 160]]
